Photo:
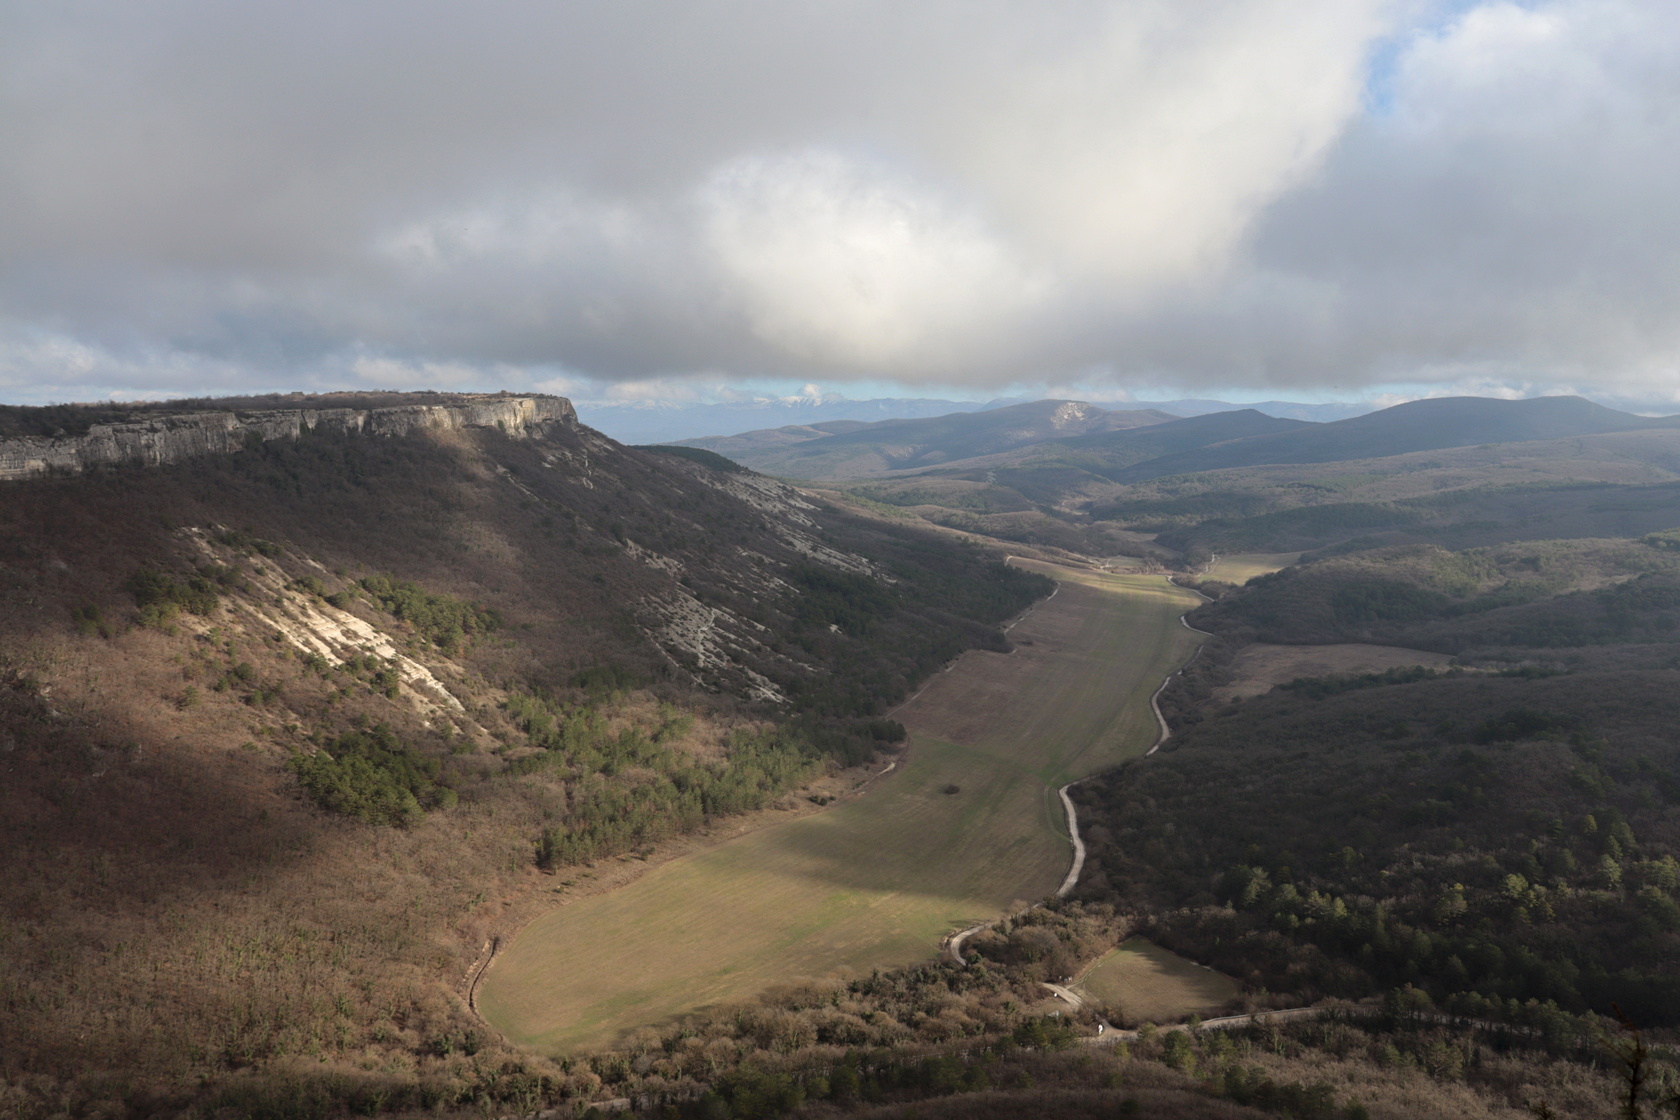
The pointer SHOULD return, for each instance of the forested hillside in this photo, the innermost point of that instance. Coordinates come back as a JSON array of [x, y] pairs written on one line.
[[290, 734], [1534, 595], [1501, 830], [1487, 838]]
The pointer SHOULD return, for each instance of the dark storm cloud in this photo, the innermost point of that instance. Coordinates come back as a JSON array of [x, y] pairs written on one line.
[[202, 195]]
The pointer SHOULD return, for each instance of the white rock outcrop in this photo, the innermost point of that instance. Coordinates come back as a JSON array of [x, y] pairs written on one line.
[[170, 438]]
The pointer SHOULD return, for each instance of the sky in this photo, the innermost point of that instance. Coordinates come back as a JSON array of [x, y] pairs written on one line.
[[967, 199]]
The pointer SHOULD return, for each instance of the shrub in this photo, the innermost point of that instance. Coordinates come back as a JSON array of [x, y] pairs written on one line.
[[161, 596], [446, 621], [241, 541], [371, 776], [90, 621]]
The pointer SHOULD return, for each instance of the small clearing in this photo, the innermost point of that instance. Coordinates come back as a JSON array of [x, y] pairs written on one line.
[[1261, 667], [1140, 982], [1244, 566]]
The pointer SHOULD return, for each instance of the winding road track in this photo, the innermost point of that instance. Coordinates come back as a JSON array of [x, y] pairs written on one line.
[[962, 827], [956, 941]]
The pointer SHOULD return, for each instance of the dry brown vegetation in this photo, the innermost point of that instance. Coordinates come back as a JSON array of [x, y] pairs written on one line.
[[948, 1041], [174, 908], [179, 923], [1260, 667]]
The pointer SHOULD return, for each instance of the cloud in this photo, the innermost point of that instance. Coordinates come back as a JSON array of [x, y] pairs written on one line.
[[838, 265], [197, 196], [1511, 214], [392, 374]]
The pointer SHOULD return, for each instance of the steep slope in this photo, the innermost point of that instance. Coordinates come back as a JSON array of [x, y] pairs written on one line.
[[288, 731], [1416, 426], [897, 445], [689, 565]]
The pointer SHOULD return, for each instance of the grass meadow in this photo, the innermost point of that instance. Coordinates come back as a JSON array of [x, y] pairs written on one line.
[[877, 881], [1244, 566], [1140, 982]]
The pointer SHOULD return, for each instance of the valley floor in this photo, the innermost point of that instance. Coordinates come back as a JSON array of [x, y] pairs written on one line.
[[966, 827]]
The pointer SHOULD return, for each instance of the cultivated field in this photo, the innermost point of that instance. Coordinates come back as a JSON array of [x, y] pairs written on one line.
[[1140, 982], [879, 880], [1244, 566]]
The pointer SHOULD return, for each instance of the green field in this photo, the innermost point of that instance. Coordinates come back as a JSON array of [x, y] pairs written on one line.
[[1140, 982], [1241, 567], [876, 881]]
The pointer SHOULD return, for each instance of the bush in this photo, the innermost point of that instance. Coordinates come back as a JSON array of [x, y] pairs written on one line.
[[444, 620], [161, 596], [89, 620], [241, 541], [371, 776]]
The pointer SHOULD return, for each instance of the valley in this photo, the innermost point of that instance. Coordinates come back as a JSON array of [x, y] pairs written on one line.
[[965, 828], [435, 754], [796, 560]]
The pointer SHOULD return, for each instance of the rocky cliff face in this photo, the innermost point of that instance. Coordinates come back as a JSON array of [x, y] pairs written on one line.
[[170, 438]]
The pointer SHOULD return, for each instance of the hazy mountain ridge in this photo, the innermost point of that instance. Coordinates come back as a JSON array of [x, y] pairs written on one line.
[[664, 421], [1424, 425], [827, 452], [1250, 438], [669, 421], [1110, 493]]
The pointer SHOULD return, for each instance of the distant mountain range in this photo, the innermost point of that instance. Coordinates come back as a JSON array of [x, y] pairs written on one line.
[[848, 449], [1426, 425], [672, 422], [1288, 410], [644, 422], [1134, 445]]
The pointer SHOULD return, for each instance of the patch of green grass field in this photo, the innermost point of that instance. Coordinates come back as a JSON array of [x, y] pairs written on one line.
[[1244, 566], [879, 880], [1140, 982]]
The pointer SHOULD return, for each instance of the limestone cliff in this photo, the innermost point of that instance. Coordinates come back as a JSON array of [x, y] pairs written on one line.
[[171, 437]]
